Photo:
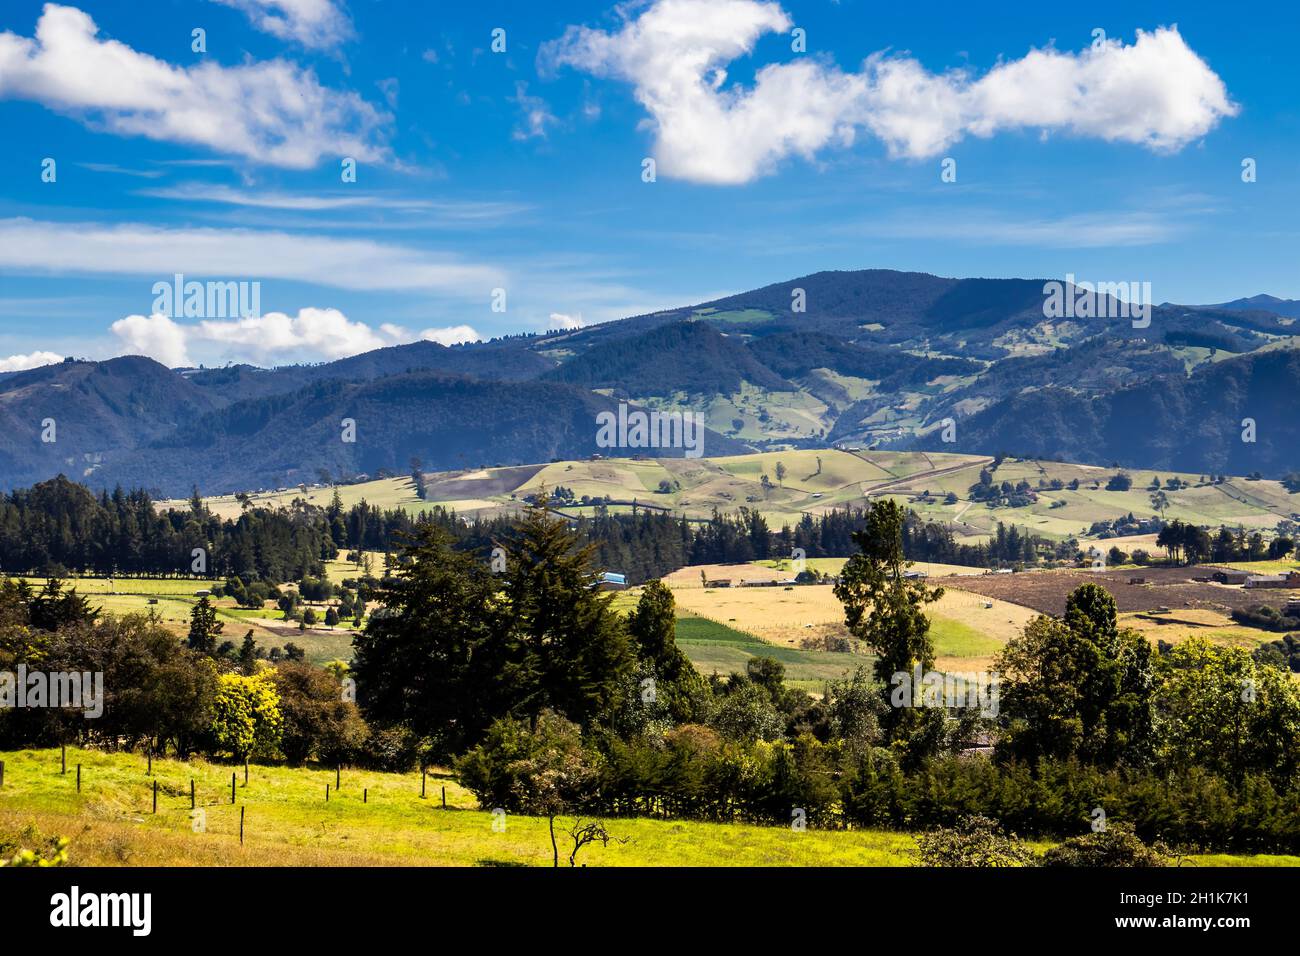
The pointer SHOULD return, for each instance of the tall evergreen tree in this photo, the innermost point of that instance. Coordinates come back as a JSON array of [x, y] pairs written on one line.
[[204, 626], [652, 625], [572, 637], [438, 655]]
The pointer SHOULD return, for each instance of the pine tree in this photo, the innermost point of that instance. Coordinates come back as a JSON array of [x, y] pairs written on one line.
[[573, 639], [204, 626], [248, 655], [438, 655], [652, 626]]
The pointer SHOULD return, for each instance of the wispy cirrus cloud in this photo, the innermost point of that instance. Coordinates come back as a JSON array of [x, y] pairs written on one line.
[[1076, 231], [41, 247], [271, 112], [1156, 92], [464, 211], [122, 170]]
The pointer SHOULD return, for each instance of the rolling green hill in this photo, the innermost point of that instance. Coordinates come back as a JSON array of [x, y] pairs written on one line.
[[820, 479]]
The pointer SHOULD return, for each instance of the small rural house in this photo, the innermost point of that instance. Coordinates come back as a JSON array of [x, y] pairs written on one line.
[[1267, 581], [1229, 576]]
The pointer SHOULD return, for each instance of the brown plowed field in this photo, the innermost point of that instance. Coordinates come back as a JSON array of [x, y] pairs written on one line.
[[1046, 591]]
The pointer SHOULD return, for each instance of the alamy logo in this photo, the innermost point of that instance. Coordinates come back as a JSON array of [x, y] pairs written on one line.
[[133, 910], [640, 429], [207, 300], [973, 691], [1079, 299], [37, 689]]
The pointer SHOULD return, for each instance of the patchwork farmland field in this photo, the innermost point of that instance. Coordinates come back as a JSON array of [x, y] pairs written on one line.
[[968, 628]]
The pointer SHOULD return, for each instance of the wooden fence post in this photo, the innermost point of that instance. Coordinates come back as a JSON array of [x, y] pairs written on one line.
[[2, 773], [241, 826], [423, 776], [338, 770], [63, 751], [155, 796], [191, 793], [444, 798], [149, 769], [78, 778], [327, 793], [246, 773], [365, 792], [232, 788]]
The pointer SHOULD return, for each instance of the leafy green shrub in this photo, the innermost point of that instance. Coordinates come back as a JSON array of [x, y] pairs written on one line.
[[976, 841], [1115, 846]]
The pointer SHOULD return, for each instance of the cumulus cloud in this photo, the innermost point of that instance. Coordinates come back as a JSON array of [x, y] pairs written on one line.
[[275, 338], [1155, 92], [20, 363], [315, 24], [271, 112], [560, 320], [156, 336], [451, 335]]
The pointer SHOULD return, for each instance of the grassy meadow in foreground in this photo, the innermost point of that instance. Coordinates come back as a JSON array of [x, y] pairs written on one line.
[[289, 823]]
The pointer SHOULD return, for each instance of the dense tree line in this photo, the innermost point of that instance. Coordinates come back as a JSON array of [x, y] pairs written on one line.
[[59, 527]]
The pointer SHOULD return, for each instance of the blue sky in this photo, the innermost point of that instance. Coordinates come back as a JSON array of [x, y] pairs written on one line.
[[522, 170]]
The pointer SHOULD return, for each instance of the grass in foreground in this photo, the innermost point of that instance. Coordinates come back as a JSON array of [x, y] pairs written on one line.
[[289, 823]]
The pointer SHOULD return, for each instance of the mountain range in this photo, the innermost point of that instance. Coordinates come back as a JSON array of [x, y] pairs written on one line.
[[858, 359]]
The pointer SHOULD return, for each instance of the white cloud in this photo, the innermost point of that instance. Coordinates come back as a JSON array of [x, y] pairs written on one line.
[[122, 170], [1155, 92], [451, 335], [315, 24], [560, 320], [391, 87], [271, 339], [156, 336], [465, 211], [327, 333], [272, 112], [1080, 231], [20, 363], [233, 254], [535, 115]]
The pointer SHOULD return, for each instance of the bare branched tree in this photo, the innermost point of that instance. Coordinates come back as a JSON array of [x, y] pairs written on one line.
[[592, 831]]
